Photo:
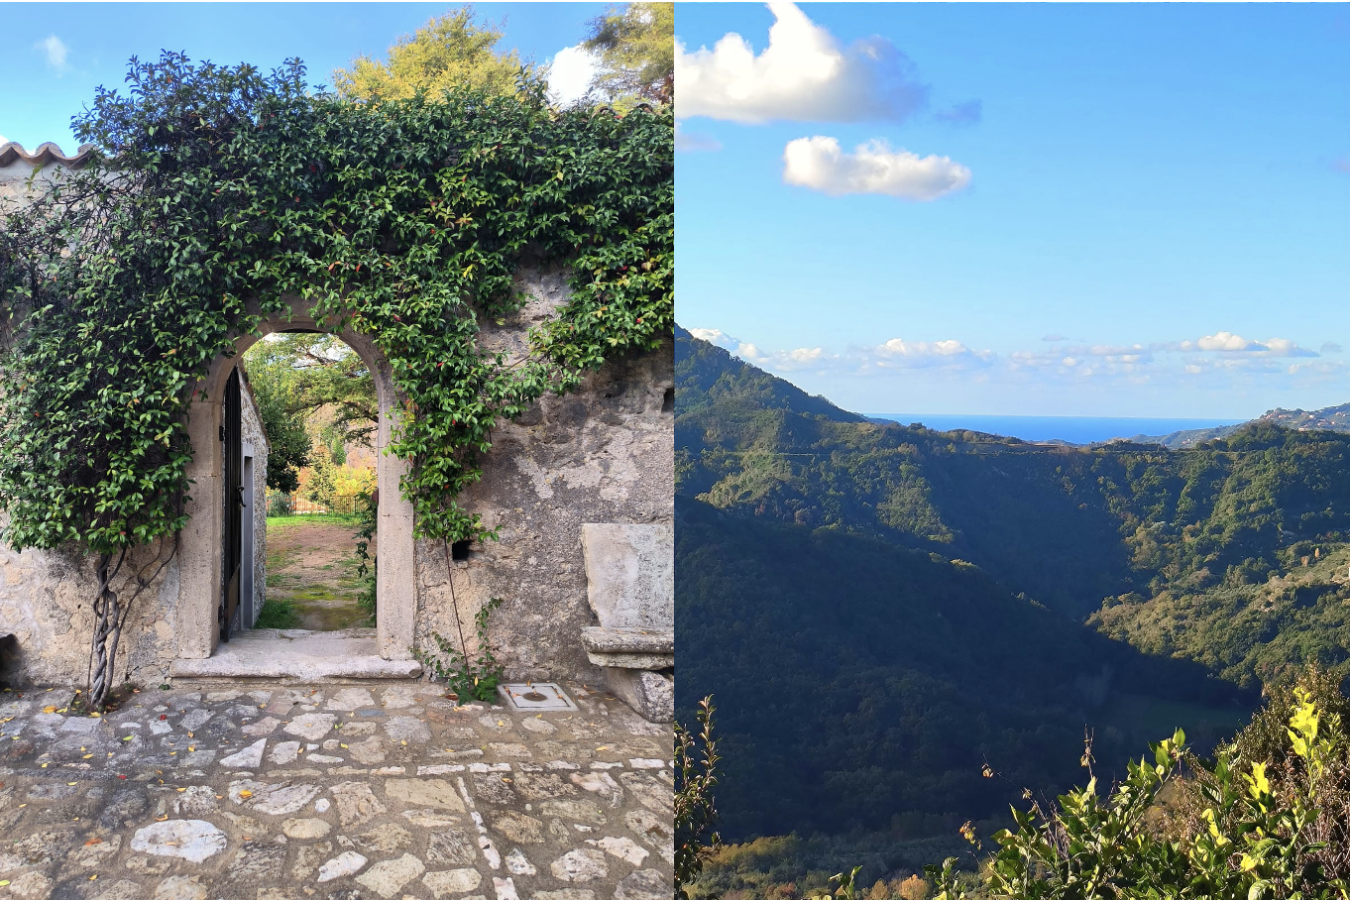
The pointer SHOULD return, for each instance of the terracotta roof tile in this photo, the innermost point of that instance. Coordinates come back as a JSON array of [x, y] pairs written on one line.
[[11, 152]]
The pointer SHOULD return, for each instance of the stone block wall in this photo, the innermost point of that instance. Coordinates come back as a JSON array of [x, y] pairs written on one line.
[[604, 453]]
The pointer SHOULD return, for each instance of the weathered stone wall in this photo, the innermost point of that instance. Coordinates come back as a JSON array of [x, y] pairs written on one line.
[[602, 454], [45, 602]]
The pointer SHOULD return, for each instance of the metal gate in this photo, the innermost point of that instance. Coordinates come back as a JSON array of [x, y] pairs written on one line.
[[233, 520]]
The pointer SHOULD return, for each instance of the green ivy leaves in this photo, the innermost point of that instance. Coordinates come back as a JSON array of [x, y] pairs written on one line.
[[221, 193]]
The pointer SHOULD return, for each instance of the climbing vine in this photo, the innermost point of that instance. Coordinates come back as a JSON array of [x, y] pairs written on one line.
[[218, 194]]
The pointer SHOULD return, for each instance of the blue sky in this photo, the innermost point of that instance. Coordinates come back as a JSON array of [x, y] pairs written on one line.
[[54, 55], [1039, 209]]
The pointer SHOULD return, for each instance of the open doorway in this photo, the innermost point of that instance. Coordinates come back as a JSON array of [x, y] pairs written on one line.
[[317, 403]]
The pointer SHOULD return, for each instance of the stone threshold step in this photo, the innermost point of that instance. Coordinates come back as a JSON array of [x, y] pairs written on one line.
[[305, 656]]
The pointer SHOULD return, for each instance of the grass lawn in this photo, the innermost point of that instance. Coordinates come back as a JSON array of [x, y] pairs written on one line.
[[311, 574], [316, 519]]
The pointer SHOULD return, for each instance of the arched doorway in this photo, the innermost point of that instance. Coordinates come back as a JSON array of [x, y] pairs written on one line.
[[202, 541]]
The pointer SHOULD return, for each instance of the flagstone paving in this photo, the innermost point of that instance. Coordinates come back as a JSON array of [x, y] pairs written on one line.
[[350, 792]]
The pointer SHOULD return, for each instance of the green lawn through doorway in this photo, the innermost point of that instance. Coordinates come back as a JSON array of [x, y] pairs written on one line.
[[312, 580]]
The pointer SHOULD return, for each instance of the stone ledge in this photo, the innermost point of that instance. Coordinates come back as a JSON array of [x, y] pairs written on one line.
[[649, 661], [628, 640], [315, 656]]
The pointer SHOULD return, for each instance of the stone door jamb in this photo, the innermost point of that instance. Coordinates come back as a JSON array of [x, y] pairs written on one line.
[[200, 542]]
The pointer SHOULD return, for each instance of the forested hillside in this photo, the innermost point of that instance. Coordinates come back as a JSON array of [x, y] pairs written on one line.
[[860, 684], [1069, 526], [883, 609]]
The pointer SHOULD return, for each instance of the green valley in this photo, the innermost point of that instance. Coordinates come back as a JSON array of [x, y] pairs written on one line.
[[904, 629]]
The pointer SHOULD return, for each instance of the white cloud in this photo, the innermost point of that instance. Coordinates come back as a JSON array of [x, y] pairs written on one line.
[[55, 51], [1228, 362], [802, 76], [3, 140], [901, 347], [570, 74], [715, 336], [873, 168], [1227, 342]]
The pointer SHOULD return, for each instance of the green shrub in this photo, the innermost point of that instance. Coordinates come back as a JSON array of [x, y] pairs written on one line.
[[475, 679], [278, 503], [278, 614], [695, 813], [1259, 829]]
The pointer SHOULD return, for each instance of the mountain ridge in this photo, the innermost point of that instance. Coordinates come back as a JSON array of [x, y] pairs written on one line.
[[1328, 418]]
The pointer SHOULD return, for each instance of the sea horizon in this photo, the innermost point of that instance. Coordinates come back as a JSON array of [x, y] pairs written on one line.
[[1073, 429]]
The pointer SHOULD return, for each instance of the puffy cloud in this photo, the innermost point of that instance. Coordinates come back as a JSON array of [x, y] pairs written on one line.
[[898, 353], [3, 140], [571, 73], [900, 347], [55, 51], [1227, 342], [690, 142], [873, 168], [1226, 361], [1283, 347], [787, 360], [803, 75], [715, 336], [967, 113]]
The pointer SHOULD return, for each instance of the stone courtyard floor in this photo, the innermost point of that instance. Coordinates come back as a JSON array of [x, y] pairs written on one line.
[[334, 791]]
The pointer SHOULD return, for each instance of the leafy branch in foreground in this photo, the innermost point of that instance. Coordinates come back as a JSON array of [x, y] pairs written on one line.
[[695, 810], [1254, 840]]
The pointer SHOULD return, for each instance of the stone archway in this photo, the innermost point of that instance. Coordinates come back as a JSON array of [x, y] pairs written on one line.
[[200, 542]]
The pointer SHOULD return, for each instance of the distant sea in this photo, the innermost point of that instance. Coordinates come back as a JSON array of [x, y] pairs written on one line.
[[1074, 429]]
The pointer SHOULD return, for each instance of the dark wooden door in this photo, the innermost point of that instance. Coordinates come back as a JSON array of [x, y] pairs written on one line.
[[233, 520]]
